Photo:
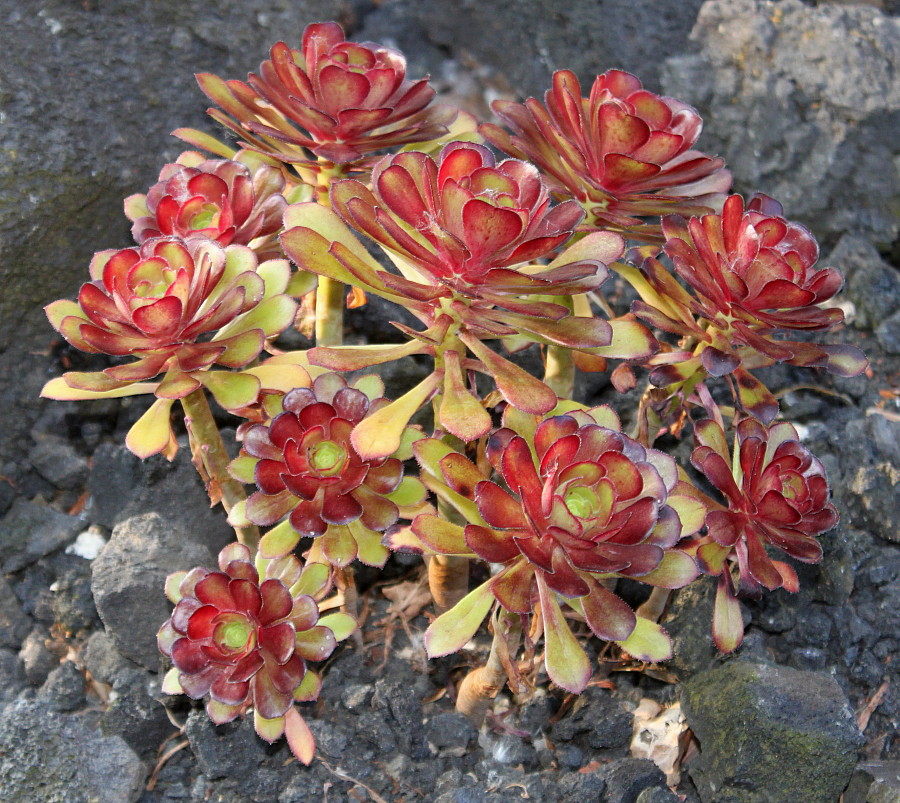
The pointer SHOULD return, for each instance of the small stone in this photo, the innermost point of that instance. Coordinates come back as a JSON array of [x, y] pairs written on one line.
[[15, 625], [64, 688], [128, 578], [59, 463], [102, 659], [37, 660], [754, 719], [450, 729], [230, 750], [29, 531], [626, 778], [657, 794], [135, 715]]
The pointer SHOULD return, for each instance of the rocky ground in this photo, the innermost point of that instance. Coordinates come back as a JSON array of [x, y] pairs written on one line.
[[810, 703]]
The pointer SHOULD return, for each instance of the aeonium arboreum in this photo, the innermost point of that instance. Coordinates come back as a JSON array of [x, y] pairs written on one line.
[[179, 308], [464, 233], [777, 497], [242, 636], [305, 467], [579, 503]]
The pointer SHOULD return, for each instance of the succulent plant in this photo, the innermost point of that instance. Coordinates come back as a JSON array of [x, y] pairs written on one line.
[[752, 274], [333, 99], [581, 502], [777, 496], [245, 641], [623, 152], [306, 467], [178, 307], [221, 199]]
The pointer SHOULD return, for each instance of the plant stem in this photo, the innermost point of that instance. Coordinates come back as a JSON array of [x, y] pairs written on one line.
[[482, 685], [330, 293], [655, 604], [559, 371], [448, 575], [211, 460]]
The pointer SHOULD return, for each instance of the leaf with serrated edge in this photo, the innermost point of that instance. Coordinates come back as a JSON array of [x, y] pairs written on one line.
[[728, 625], [279, 541], [602, 246], [451, 630], [231, 391], [58, 389], [171, 588], [299, 736], [691, 511], [268, 729], [631, 340], [676, 570], [648, 642], [567, 664]]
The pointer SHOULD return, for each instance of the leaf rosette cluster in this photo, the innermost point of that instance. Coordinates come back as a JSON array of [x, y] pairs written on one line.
[[178, 307], [333, 99], [777, 496], [305, 467], [221, 199], [244, 640], [623, 152], [575, 502], [752, 275]]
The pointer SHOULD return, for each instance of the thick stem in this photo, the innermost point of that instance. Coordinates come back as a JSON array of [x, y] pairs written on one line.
[[559, 371], [211, 460], [448, 575], [329, 293], [482, 685], [329, 312], [655, 604]]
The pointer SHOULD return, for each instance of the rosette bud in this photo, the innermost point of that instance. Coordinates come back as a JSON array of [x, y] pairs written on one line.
[[221, 199], [623, 152], [245, 641], [777, 496]]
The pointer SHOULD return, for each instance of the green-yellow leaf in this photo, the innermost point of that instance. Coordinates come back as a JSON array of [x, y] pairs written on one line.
[[152, 433], [341, 624], [451, 630], [567, 664], [648, 642]]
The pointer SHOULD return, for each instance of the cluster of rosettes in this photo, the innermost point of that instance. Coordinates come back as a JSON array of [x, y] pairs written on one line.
[[777, 496], [581, 502], [245, 641], [332, 99], [624, 153], [306, 467], [221, 199]]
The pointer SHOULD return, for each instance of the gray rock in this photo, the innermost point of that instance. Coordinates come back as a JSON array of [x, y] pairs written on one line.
[[804, 103], [59, 463], [688, 620], [874, 782], [15, 625], [135, 714], [754, 720], [869, 282], [128, 578], [37, 660], [122, 486], [522, 43], [626, 778], [29, 531], [12, 676], [888, 334], [102, 659], [450, 729], [231, 750], [599, 721], [47, 757], [657, 794], [64, 688]]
